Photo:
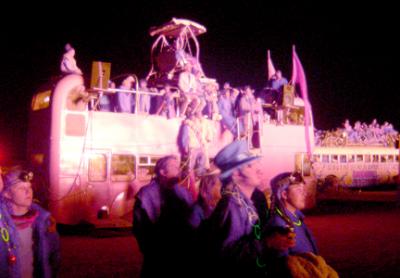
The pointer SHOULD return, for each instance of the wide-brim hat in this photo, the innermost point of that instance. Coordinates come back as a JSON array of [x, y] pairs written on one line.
[[233, 156]]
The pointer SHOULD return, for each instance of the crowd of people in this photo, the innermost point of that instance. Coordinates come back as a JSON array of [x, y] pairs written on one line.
[[190, 93], [359, 134], [229, 227]]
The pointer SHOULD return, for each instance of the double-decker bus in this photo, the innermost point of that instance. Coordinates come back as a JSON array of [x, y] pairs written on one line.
[[91, 163]]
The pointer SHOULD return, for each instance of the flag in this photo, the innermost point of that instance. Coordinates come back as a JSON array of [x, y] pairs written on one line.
[[270, 65], [299, 77]]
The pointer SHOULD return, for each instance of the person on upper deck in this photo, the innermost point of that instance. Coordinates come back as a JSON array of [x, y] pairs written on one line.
[[167, 106], [226, 109], [278, 82], [126, 100], [144, 99], [249, 110], [68, 62], [187, 84]]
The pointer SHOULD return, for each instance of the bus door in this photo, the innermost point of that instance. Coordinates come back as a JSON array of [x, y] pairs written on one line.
[[122, 178], [98, 195]]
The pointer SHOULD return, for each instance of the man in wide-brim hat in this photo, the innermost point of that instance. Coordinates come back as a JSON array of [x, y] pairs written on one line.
[[235, 234]]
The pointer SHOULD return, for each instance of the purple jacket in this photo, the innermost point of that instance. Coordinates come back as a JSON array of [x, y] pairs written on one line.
[[305, 241], [46, 250]]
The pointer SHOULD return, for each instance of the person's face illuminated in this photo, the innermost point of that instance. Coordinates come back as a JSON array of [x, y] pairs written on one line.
[[250, 174], [295, 197], [171, 169], [20, 196]]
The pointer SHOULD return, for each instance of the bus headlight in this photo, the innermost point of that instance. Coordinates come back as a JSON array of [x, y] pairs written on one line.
[[103, 213]]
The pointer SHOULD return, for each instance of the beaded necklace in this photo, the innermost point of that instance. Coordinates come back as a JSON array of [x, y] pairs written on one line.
[[287, 219], [250, 211], [5, 237]]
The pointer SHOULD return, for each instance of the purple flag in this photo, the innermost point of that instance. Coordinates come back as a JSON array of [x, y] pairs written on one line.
[[271, 68], [299, 77]]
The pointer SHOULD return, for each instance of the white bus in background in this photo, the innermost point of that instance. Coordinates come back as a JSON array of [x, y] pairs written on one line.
[[356, 166]]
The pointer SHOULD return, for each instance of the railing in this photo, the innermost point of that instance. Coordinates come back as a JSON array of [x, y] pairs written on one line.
[[250, 130]]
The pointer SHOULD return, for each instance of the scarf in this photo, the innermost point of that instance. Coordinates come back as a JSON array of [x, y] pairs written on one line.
[[26, 220]]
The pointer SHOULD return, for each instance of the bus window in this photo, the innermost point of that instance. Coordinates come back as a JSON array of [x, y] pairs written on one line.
[[359, 158], [316, 158], [143, 160], [122, 167], [383, 158], [153, 160], [375, 158], [97, 167], [343, 158], [390, 158], [325, 158], [334, 158], [351, 158], [146, 167], [367, 158]]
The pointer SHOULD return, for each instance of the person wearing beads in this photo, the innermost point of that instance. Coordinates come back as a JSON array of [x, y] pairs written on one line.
[[301, 259], [8, 266], [235, 232], [288, 198], [37, 251]]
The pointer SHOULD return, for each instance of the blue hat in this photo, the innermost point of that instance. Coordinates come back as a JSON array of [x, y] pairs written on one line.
[[15, 176], [233, 156]]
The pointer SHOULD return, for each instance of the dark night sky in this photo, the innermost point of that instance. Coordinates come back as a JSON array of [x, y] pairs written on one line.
[[349, 53]]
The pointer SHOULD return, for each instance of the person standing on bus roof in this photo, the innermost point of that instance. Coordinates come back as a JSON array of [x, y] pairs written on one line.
[[161, 222], [144, 99], [37, 251], [226, 110], [68, 62], [126, 100], [277, 82]]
